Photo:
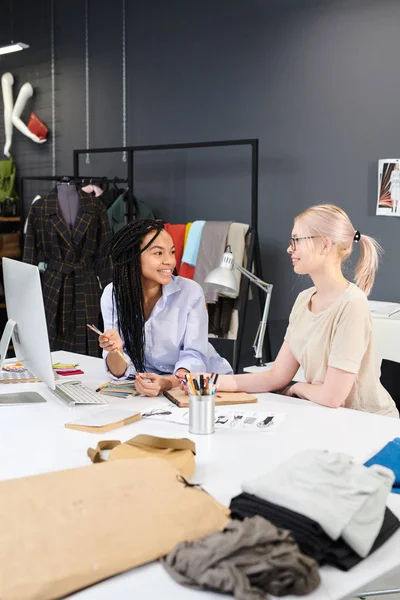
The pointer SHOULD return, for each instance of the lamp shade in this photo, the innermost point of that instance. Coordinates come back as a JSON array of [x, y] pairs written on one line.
[[222, 278]]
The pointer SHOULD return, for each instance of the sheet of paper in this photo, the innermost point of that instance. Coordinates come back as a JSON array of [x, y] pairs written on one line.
[[102, 417], [225, 418], [383, 309]]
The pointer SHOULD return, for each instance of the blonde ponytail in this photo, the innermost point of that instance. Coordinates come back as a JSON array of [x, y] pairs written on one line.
[[367, 265], [331, 222]]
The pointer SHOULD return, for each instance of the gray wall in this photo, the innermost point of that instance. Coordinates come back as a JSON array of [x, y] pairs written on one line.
[[318, 82]]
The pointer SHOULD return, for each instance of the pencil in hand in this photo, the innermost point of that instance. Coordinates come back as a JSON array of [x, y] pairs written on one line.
[[121, 354]]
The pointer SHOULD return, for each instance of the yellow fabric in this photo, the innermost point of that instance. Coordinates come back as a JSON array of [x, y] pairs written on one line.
[[340, 337], [188, 226]]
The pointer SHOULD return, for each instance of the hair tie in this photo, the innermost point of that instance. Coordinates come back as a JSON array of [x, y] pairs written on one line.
[[357, 236]]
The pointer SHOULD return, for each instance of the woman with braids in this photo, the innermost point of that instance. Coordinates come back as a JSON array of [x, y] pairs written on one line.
[[160, 321]]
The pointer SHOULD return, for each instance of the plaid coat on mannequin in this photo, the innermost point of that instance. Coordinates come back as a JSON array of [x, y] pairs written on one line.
[[71, 281]]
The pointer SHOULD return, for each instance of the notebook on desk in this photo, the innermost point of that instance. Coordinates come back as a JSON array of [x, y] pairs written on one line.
[[104, 420], [179, 398]]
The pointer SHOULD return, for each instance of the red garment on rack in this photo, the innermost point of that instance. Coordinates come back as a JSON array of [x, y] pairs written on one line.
[[187, 271], [177, 232]]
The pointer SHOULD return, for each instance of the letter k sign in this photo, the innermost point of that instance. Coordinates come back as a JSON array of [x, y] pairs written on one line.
[[12, 112]]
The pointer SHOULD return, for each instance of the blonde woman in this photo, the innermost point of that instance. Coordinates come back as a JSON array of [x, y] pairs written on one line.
[[330, 327]]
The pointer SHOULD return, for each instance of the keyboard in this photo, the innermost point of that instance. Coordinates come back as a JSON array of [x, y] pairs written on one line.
[[74, 392]]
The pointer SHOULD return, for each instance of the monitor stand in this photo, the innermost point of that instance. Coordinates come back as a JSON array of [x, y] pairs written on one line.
[[19, 398], [5, 340]]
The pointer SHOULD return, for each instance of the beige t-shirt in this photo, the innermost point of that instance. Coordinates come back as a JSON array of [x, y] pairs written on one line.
[[341, 337]]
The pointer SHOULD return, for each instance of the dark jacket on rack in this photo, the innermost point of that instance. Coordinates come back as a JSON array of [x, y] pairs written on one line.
[[73, 272]]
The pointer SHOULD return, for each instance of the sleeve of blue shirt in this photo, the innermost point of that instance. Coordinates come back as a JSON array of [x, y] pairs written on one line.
[[194, 354], [111, 322]]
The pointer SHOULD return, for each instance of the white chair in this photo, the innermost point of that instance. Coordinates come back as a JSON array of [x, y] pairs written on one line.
[[386, 333]]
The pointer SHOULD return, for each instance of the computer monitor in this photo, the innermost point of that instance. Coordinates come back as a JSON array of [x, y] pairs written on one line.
[[26, 320]]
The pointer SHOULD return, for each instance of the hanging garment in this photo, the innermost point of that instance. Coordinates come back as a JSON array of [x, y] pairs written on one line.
[[177, 232], [348, 500], [8, 173], [248, 559], [93, 189], [192, 244], [116, 211], [143, 211], [225, 311], [219, 316], [187, 230], [237, 241], [211, 251], [110, 193], [36, 198], [71, 281], [116, 214], [309, 535], [187, 270]]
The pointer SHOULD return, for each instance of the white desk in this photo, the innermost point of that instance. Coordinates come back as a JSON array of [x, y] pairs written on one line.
[[33, 440]]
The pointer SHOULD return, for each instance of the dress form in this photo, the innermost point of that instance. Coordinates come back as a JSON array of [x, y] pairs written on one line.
[[68, 200]]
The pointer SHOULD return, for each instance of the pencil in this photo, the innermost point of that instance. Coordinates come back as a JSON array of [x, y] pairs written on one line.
[[190, 385], [122, 355], [101, 387]]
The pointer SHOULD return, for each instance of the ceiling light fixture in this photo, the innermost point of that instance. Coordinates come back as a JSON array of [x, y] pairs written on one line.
[[13, 47]]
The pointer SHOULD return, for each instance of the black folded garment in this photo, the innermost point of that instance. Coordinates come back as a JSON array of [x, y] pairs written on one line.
[[309, 535]]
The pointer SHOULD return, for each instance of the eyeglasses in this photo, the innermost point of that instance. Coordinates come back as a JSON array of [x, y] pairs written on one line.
[[292, 241]]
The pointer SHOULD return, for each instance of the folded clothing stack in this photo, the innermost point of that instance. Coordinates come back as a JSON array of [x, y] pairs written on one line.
[[327, 497], [309, 535]]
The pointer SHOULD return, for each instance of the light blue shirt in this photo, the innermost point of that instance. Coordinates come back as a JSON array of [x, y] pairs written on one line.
[[192, 245], [176, 333]]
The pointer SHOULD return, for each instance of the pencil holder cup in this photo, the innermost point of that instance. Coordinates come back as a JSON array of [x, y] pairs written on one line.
[[201, 414]]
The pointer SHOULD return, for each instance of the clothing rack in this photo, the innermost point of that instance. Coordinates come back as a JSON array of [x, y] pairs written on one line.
[[61, 178], [254, 255]]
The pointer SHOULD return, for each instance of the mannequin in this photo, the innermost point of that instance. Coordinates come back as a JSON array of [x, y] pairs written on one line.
[[68, 201], [12, 114], [7, 81]]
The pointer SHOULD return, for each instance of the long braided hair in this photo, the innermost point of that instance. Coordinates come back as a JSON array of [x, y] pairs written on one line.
[[125, 251]]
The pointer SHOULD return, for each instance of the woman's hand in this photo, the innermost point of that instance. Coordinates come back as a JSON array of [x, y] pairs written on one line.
[[111, 341], [180, 374], [150, 384], [290, 391], [183, 382]]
